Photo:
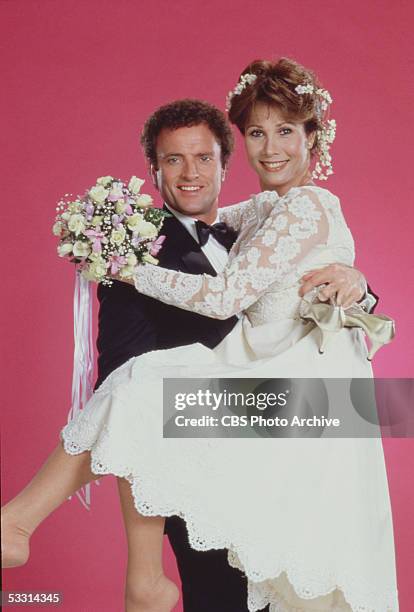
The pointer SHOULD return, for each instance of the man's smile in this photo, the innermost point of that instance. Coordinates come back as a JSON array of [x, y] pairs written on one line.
[[189, 188]]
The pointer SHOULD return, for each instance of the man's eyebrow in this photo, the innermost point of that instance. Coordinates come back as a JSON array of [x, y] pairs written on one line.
[[168, 154], [211, 153]]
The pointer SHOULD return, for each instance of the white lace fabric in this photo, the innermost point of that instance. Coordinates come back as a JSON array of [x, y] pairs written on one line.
[[178, 477], [294, 225]]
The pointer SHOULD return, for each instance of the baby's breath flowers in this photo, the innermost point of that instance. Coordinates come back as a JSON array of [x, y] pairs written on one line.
[[110, 229], [326, 135], [245, 80], [302, 89]]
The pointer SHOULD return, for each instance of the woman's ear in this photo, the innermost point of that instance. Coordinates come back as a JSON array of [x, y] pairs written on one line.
[[311, 140]]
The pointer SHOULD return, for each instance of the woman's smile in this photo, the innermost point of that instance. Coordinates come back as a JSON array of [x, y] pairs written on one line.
[[274, 166]]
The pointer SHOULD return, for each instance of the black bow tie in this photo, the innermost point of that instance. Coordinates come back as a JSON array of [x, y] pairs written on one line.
[[221, 232]]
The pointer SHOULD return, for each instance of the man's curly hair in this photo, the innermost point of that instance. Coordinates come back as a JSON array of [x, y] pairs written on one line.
[[187, 113]]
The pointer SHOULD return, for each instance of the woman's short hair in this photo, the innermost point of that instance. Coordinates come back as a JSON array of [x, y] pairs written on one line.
[[275, 85], [187, 113]]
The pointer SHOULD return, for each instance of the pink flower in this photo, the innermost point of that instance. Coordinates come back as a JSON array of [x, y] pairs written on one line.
[[96, 237], [156, 245], [116, 262]]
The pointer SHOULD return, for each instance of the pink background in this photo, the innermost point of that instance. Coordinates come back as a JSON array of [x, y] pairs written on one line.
[[80, 77]]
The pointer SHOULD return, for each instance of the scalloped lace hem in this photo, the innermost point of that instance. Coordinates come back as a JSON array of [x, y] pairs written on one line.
[[147, 495]]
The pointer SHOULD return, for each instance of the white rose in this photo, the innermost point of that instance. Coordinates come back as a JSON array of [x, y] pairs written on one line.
[[118, 235], [98, 194], [135, 184], [81, 249], [76, 224], [146, 229], [96, 270], [144, 201], [64, 249], [104, 180], [66, 215], [96, 256], [147, 258], [96, 220], [132, 260], [133, 221], [120, 207], [74, 207], [58, 228]]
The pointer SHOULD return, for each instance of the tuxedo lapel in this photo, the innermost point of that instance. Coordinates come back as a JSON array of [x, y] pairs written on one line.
[[197, 263], [180, 251]]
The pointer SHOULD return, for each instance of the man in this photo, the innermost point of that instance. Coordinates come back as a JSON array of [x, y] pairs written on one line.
[[188, 144]]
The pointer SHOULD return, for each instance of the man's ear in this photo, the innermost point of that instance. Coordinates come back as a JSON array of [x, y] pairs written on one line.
[[153, 175], [223, 173]]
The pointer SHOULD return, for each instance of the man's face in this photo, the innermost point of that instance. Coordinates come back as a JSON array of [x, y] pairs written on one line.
[[189, 172]]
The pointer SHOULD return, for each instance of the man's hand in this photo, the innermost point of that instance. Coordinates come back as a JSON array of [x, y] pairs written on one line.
[[346, 283]]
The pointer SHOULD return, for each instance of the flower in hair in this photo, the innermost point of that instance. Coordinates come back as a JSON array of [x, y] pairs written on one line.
[[306, 88], [326, 98], [326, 134], [245, 80]]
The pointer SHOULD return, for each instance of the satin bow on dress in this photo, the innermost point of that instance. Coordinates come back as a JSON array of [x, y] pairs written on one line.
[[330, 318]]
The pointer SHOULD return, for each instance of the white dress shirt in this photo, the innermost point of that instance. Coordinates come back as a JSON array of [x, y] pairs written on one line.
[[215, 252]]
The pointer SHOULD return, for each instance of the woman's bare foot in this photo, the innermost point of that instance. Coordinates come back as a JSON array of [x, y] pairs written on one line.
[[15, 549], [160, 595]]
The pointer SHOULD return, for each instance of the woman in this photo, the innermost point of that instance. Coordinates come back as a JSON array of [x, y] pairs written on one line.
[[340, 558]]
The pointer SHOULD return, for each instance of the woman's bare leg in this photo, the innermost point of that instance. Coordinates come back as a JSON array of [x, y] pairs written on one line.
[[58, 478], [147, 589]]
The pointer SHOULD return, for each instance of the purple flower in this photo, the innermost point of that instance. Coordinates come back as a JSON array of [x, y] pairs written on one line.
[[136, 240], [90, 209]]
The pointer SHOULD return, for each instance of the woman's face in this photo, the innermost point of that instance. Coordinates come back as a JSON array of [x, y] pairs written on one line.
[[278, 150]]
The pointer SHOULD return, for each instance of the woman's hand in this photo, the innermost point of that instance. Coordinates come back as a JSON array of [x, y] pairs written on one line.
[[346, 283]]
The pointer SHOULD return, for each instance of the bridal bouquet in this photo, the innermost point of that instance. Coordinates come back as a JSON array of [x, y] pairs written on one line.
[[110, 229]]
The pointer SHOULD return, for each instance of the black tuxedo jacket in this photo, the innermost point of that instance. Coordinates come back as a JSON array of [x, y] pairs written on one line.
[[131, 324]]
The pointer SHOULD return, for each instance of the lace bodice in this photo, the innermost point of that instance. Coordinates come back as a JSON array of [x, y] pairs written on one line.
[[281, 237]]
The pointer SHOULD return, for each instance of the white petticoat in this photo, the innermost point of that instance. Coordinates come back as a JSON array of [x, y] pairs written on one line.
[[307, 520]]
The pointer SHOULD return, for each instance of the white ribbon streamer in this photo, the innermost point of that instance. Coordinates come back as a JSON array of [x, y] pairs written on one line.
[[82, 359], [83, 349]]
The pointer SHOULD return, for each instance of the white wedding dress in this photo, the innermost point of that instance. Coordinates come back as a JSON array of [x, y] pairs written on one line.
[[307, 520]]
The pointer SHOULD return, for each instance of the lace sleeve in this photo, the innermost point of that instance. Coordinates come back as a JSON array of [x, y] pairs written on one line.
[[239, 215], [296, 224]]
